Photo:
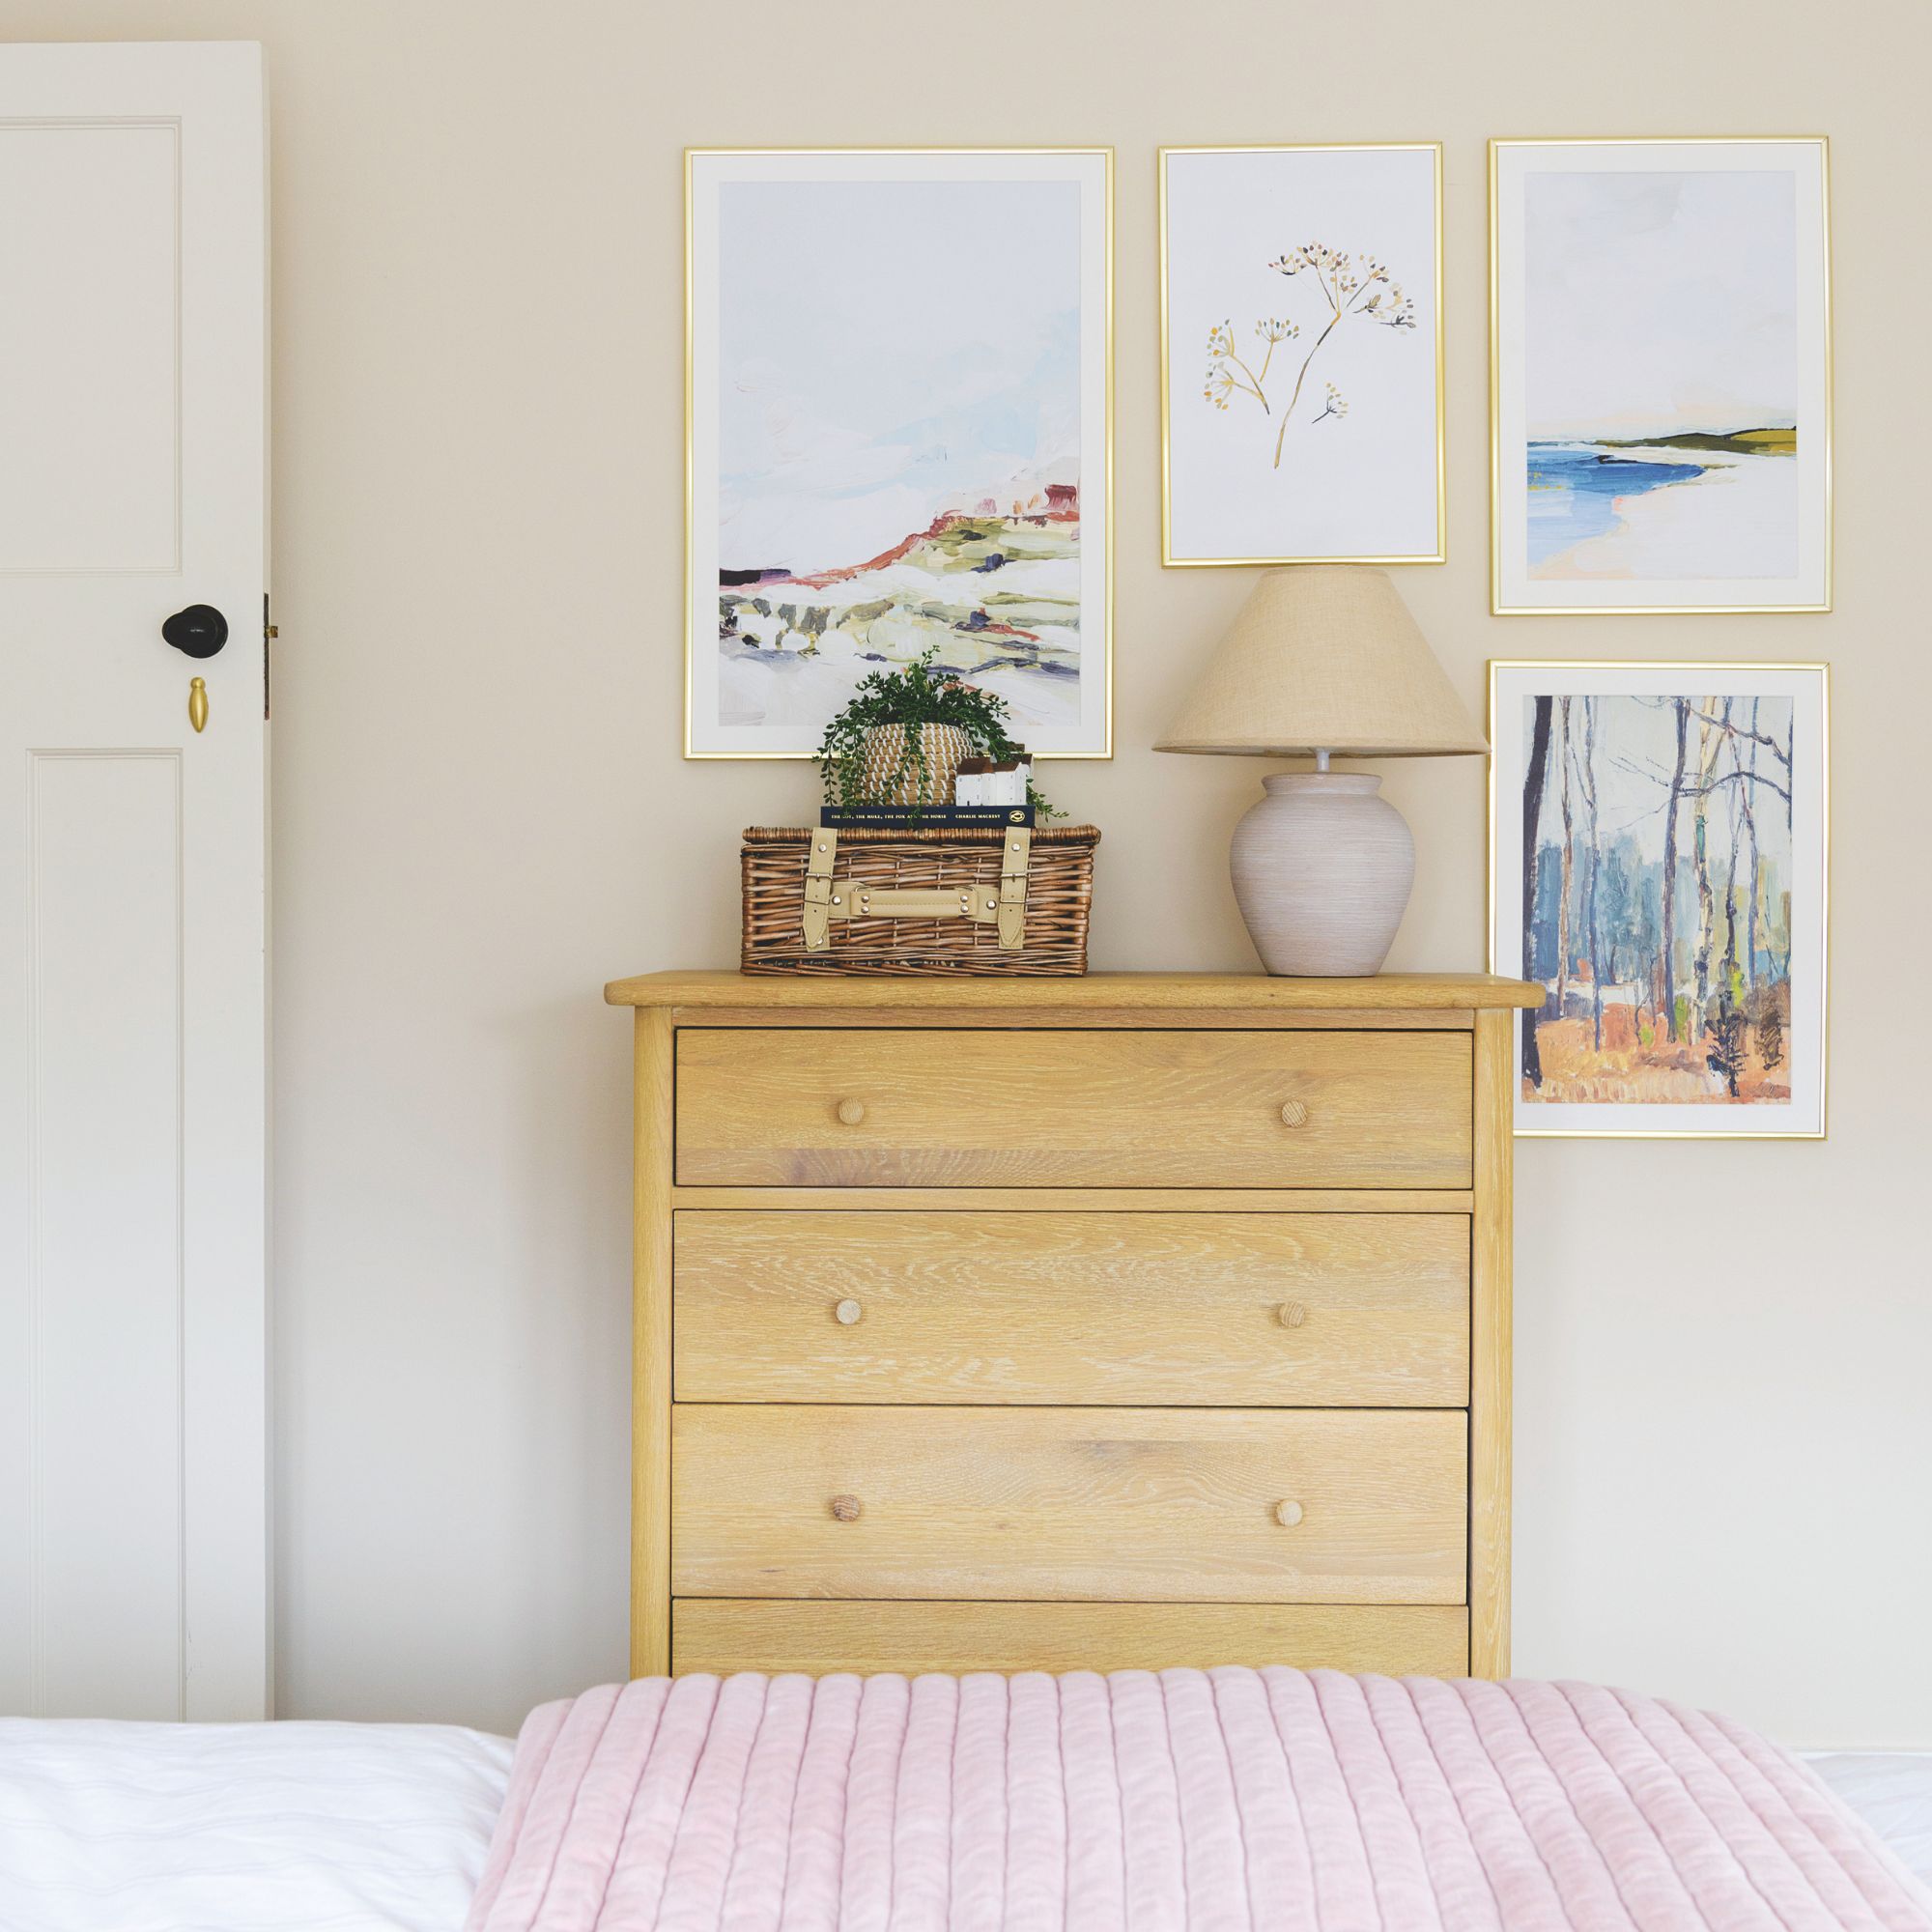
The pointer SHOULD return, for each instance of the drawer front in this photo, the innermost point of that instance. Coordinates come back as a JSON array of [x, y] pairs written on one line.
[[1317, 1506], [804, 1108], [722, 1636], [1225, 1310]]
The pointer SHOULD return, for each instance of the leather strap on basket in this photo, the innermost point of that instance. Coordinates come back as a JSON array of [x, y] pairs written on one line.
[[818, 889], [854, 900], [1014, 858], [910, 902]]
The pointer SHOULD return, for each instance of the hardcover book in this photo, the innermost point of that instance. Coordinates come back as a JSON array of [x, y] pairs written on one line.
[[913, 818]]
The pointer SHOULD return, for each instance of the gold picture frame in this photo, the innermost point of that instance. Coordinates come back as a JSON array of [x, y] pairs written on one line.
[[1503, 606], [1503, 769], [1105, 156], [1439, 553]]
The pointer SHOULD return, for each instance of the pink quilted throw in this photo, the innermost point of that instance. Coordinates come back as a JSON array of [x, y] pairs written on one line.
[[1226, 1798]]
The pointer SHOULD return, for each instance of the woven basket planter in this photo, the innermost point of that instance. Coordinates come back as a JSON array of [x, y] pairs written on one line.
[[968, 867], [890, 764]]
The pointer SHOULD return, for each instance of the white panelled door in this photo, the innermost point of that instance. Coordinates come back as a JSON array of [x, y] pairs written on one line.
[[133, 1465]]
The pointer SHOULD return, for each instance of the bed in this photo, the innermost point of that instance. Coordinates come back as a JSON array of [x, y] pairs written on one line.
[[109, 1827], [1891, 1791]]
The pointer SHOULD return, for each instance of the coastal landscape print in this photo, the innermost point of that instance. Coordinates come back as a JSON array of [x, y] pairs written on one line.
[[1302, 347], [1666, 903], [903, 382], [1666, 372]]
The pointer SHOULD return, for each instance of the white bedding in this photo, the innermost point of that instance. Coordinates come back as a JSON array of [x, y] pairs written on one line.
[[1891, 1791], [381, 1827], [244, 1827]]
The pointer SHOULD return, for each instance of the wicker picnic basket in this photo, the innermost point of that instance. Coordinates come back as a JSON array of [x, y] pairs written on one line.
[[937, 901]]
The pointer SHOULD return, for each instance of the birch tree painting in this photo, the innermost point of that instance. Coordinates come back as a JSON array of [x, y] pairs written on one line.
[[1657, 896]]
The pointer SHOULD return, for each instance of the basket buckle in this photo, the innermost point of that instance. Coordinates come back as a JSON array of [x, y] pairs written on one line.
[[817, 916], [1014, 858]]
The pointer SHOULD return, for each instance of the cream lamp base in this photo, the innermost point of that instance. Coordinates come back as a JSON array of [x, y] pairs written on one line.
[[1322, 869]]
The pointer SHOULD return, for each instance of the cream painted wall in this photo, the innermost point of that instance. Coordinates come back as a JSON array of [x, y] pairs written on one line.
[[1725, 1433]]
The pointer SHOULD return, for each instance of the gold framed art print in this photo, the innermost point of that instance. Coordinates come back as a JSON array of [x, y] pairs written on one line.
[[1660, 841], [898, 428], [1659, 376], [1301, 354]]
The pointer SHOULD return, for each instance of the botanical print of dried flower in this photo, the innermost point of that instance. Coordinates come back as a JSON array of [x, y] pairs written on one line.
[[1366, 293]]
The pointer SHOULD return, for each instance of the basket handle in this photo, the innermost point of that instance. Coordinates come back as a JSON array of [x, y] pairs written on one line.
[[853, 898], [827, 899]]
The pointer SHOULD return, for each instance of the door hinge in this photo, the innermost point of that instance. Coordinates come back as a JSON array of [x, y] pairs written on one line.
[[269, 632]]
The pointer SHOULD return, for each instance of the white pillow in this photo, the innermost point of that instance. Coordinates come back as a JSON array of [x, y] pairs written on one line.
[[109, 1827]]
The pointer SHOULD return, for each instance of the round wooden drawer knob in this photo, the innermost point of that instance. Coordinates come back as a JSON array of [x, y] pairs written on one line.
[[1287, 1515], [848, 1312], [1291, 1313], [851, 1112], [1294, 1113], [845, 1509]]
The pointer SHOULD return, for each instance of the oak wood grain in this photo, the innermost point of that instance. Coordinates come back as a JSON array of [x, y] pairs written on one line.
[[724, 1635], [761, 1107], [651, 1349], [1160, 1504], [1384, 992], [1439, 1019], [1489, 1431], [1129, 1505], [1233, 1310], [1058, 1199]]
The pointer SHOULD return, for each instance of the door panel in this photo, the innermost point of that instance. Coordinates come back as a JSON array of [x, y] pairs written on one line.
[[104, 1288], [133, 1493], [89, 361]]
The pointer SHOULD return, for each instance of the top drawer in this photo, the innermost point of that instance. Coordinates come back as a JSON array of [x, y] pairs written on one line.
[[799, 1107]]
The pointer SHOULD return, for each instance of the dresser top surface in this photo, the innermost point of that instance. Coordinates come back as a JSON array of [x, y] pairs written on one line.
[[1117, 992]]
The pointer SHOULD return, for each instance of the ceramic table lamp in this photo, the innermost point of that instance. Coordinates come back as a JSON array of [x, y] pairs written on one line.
[[1323, 660]]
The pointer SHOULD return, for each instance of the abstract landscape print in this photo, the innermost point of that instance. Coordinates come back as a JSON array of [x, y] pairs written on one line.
[[898, 411], [1302, 371], [1662, 387], [1659, 870]]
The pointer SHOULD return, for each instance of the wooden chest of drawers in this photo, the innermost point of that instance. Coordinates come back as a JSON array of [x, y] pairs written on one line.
[[1124, 1322]]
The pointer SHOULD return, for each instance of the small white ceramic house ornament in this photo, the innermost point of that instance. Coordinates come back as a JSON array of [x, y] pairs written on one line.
[[992, 780], [1321, 662]]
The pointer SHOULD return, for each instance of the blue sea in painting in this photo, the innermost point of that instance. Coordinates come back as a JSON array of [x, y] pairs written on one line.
[[1574, 488]]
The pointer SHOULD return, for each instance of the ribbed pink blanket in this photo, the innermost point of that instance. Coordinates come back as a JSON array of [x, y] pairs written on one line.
[[1225, 1799]]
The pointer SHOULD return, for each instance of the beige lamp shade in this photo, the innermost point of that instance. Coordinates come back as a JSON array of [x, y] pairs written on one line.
[[1324, 659]]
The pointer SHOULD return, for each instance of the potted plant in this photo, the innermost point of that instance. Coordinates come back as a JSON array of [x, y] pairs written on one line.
[[901, 739]]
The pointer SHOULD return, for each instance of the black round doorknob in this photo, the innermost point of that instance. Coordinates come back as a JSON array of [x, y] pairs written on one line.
[[199, 631]]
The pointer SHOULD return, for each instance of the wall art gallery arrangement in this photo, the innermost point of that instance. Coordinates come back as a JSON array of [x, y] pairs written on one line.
[[889, 466]]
